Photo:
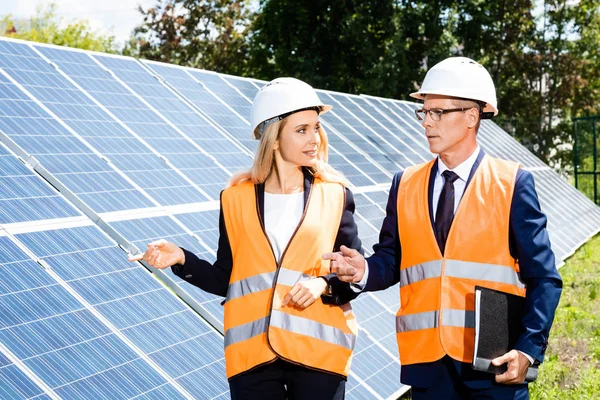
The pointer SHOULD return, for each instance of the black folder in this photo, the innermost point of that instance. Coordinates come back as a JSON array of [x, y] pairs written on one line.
[[498, 326]]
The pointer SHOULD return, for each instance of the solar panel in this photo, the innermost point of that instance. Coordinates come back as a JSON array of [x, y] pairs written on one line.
[[24, 197], [149, 157], [144, 133], [86, 325], [245, 86], [214, 156], [222, 114], [28, 124], [411, 150]]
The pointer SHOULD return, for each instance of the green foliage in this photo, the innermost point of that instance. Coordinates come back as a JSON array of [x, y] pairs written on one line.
[[46, 27], [572, 366], [335, 44], [207, 34]]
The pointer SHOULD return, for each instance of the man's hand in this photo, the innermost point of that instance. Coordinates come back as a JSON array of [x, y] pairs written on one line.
[[161, 254], [348, 264], [304, 293], [516, 368]]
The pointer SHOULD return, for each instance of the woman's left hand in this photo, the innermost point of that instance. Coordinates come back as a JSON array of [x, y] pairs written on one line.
[[304, 293]]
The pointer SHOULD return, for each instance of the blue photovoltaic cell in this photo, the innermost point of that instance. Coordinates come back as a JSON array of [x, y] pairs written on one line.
[[378, 320], [414, 150], [369, 218], [407, 127], [24, 196], [225, 92], [40, 135], [143, 231], [60, 341], [14, 384], [343, 140], [105, 134], [378, 369], [246, 87], [195, 92], [124, 293], [220, 148], [364, 133]]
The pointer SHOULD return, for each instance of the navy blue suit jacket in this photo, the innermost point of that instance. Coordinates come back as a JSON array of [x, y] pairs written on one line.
[[529, 243]]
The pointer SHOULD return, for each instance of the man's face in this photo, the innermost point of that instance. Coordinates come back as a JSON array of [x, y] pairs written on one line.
[[448, 134]]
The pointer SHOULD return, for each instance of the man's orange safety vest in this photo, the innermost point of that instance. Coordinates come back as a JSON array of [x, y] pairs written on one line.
[[257, 328], [436, 315]]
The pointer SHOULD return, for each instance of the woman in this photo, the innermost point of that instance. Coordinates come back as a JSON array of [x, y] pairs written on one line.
[[276, 221]]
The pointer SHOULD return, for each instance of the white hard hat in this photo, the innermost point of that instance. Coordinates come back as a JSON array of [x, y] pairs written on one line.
[[281, 97], [461, 77]]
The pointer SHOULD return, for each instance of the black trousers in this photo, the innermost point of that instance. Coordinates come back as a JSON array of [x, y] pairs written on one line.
[[281, 380]]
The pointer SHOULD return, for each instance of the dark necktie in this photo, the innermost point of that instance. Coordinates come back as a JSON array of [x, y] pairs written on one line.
[[445, 209]]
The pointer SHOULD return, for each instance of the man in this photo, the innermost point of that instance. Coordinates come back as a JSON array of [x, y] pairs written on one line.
[[460, 220]]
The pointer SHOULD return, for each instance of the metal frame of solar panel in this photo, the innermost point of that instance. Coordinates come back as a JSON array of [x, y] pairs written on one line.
[[105, 129]]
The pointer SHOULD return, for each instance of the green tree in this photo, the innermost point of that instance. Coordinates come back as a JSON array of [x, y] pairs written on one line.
[[332, 44], [45, 27], [208, 34]]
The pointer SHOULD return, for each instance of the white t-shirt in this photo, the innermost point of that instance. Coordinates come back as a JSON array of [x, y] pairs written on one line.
[[282, 215]]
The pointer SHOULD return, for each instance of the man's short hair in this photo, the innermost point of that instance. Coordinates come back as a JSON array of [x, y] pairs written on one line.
[[468, 103]]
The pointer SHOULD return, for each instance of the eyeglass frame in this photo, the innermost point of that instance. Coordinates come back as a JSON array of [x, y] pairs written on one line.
[[439, 112]]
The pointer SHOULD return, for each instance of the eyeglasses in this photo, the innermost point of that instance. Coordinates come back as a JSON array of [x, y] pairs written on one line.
[[436, 113]]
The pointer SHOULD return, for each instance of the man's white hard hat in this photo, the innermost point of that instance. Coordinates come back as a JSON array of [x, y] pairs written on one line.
[[461, 77], [280, 98]]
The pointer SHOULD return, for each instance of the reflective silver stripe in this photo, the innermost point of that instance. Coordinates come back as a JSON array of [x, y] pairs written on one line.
[[482, 272], [458, 318], [414, 322], [245, 331], [289, 277], [418, 272], [249, 285], [308, 327]]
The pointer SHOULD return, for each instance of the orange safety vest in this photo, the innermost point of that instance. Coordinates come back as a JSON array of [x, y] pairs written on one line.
[[436, 315], [257, 329]]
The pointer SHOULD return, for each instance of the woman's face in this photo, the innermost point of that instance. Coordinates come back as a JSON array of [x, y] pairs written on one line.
[[299, 139]]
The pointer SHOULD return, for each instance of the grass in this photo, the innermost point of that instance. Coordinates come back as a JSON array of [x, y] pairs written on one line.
[[571, 370]]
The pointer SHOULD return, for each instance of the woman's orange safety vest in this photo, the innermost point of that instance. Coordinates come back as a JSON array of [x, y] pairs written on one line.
[[436, 315], [257, 328]]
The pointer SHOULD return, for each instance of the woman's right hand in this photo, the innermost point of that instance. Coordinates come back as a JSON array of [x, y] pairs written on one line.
[[161, 254]]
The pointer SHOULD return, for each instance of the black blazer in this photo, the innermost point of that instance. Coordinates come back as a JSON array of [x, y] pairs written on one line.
[[214, 278]]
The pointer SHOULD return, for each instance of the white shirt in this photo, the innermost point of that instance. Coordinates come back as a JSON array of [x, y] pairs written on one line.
[[463, 170], [282, 215]]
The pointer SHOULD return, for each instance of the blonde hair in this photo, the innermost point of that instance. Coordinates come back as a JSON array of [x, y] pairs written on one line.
[[264, 160]]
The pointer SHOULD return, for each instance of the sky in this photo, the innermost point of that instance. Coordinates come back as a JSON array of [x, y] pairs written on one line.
[[114, 17]]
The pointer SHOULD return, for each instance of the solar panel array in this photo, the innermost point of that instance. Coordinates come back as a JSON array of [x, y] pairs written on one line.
[[101, 153]]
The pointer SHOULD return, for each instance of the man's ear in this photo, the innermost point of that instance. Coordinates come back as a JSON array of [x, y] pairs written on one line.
[[472, 117]]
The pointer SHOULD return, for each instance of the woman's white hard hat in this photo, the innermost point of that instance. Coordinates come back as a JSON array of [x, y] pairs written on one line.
[[461, 77], [280, 98]]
